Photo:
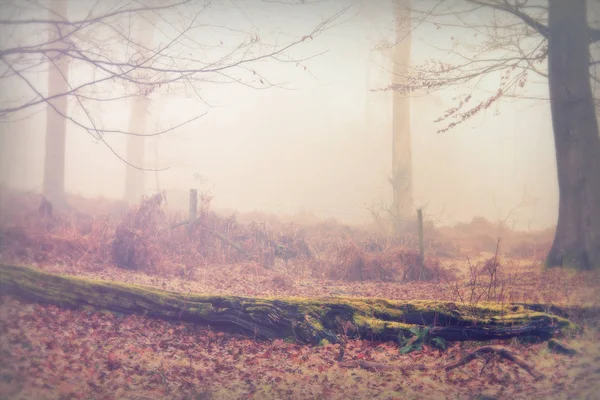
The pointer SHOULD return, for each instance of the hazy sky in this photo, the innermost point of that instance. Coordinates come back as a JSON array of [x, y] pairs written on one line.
[[323, 145]]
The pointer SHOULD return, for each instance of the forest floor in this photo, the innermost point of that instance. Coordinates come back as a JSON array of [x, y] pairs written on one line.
[[51, 353]]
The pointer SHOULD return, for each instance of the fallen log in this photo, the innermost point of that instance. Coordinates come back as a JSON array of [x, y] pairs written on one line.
[[305, 320]]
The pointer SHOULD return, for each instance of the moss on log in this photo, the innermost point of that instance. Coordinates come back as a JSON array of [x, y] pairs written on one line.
[[306, 320]]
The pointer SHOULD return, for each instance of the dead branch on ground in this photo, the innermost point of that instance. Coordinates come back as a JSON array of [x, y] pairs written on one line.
[[502, 352]]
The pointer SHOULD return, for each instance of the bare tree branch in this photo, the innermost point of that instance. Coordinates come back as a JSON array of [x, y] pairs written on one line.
[[91, 21], [170, 66], [504, 5], [509, 42]]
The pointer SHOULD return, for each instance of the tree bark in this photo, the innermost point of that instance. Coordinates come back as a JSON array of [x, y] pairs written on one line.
[[305, 320], [577, 143]]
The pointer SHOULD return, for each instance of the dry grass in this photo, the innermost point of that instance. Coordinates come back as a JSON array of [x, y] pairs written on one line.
[[143, 238], [351, 263]]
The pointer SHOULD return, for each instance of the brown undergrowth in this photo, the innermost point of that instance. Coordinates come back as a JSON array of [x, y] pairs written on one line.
[[351, 263], [146, 238], [220, 254]]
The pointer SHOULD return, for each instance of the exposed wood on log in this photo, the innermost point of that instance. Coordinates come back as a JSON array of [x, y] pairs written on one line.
[[305, 320], [502, 352]]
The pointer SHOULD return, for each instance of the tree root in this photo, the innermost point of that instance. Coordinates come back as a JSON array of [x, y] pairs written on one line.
[[561, 348], [502, 352]]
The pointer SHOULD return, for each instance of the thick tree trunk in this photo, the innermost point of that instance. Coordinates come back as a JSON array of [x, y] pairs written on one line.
[[56, 124], [305, 320], [577, 239]]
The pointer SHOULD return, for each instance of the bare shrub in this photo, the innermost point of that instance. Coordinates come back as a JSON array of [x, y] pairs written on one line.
[[351, 263], [33, 232], [486, 282], [430, 271], [134, 245]]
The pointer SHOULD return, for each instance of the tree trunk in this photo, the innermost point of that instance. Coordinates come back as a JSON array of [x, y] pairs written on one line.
[[402, 204], [56, 124], [577, 143], [305, 320], [135, 176]]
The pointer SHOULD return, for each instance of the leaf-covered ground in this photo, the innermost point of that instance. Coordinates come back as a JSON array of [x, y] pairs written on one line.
[[52, 353]]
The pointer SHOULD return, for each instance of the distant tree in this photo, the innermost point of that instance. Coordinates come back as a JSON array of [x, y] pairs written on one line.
[[514, 39], [143, 32], [402, 187], [53, 185], [113, 65]]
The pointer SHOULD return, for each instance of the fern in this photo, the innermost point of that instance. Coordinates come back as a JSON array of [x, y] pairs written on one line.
[[438, 343], [420, 337]]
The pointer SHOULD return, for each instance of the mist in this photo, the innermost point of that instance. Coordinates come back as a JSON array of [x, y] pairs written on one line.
[[319, 142], [346, 182]]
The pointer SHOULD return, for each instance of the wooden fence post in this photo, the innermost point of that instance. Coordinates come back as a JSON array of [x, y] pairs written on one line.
[[193, 205], [421, 244]]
